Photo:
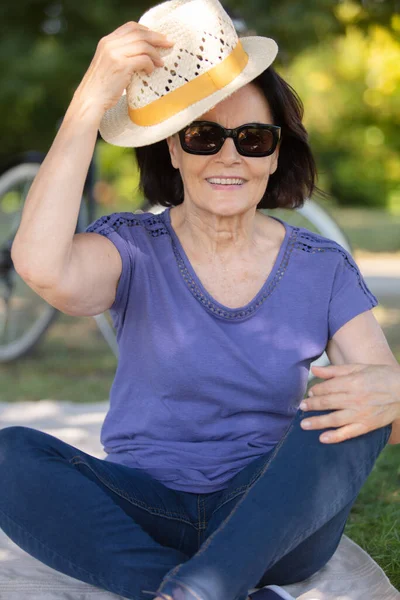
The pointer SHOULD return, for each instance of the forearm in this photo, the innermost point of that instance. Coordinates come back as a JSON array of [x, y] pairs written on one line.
[[43, 242], [395, 435]]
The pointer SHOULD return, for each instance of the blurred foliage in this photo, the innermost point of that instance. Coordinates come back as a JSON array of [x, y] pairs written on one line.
[[117, 189], [351, 90], [45, 49], [342, 56]]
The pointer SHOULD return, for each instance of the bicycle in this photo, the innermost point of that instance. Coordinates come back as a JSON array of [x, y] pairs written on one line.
[[25, 317]]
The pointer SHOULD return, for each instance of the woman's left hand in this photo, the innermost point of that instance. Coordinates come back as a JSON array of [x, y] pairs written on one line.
[[363, 398]]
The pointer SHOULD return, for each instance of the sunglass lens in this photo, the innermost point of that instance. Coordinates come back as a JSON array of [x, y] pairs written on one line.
[[256, 140], [202, 137]]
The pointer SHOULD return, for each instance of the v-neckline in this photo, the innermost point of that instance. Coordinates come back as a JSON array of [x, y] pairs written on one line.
[[194, 281]]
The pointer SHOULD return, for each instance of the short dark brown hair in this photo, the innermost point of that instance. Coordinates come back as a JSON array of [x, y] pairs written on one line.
[[291, 184]]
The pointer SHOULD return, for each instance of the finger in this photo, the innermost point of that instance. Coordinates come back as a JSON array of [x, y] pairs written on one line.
[[326, 402], [332, 419], [142, 47], [160, 39], [344, 433], [135, 49], [344, 383], [336, 371], [376, 401], [153, 38]]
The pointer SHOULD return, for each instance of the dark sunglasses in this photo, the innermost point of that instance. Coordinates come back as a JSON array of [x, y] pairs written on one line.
[[252, 139]]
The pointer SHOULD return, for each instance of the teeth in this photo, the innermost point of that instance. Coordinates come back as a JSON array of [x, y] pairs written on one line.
[[226, 181]]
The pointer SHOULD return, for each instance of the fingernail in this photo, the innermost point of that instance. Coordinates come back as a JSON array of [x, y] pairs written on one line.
[[306, 424], [303, 405], [310, 393]]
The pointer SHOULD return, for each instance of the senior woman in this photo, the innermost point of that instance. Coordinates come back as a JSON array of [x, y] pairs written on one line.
[[211, 485]]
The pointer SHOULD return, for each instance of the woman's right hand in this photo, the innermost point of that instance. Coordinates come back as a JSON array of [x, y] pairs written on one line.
[[131, 47]]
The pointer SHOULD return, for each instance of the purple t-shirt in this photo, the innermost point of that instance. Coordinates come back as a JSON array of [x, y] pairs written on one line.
[[202, 389]]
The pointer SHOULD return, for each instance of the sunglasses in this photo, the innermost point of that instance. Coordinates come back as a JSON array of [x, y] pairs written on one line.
[[252, 139]]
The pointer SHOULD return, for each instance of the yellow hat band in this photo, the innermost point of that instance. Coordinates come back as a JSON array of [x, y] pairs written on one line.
[[197, 89]]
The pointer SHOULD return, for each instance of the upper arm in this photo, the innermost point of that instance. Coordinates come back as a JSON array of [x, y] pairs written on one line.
[[354, 334], [360, 340], [88, 285]]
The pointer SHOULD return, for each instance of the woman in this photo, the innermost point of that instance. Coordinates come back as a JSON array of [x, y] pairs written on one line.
[[211, 486]]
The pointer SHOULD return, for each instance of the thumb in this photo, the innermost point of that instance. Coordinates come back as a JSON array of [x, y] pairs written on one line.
[[335, 370]]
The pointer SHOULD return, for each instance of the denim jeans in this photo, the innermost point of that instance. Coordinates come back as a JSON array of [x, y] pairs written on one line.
[[279, 520]]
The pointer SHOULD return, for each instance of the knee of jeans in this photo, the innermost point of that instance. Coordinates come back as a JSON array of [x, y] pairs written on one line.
[[14, 438]]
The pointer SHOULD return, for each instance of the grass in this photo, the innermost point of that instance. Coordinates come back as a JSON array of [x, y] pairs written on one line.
[[73, 362], [373, 230], [374, 519]]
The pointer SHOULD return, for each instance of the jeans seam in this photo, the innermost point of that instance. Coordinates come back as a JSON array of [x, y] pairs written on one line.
[[151, 509], [198, 521], [209, 539], [96, 578], [239, 490], [201, 517]]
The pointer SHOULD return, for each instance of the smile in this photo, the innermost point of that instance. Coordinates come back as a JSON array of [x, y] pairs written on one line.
[[226, 186]]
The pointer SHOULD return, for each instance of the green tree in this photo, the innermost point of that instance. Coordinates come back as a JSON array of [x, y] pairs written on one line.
[[45, 49], [351, 93]]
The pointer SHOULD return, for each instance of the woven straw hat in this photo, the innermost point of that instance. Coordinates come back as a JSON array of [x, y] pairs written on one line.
[[206, 65]]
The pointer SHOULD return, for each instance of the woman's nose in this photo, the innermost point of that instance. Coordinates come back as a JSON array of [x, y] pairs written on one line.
[[228, 149]]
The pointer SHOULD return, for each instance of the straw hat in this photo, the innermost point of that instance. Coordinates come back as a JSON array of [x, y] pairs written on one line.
[[206, 65]]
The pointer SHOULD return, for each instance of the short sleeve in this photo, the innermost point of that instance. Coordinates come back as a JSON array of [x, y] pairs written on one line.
[[350, 294], [114, 228]]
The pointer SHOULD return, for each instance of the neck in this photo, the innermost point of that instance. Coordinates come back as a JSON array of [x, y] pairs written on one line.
[[216, 235]]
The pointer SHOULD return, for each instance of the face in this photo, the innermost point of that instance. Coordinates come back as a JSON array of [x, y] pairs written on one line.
[[246, 105]]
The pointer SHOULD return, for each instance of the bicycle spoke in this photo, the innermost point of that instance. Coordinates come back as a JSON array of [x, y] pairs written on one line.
[[24, 315]]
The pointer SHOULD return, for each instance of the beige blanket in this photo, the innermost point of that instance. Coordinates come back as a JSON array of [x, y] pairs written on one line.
[[351, 574]]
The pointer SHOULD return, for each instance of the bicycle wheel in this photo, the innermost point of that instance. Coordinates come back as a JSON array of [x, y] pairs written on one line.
[[24, 315], [311, 216]]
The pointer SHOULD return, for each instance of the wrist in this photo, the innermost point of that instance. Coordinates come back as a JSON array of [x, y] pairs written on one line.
[[85, 110]]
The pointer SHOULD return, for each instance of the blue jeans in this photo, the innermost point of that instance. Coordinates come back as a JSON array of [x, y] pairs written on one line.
[[279, 520]]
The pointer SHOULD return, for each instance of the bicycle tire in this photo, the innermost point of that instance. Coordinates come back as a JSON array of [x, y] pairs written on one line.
[[20, 170]]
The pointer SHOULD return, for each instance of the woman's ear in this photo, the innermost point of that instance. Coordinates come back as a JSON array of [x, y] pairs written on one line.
[[172, 146]]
